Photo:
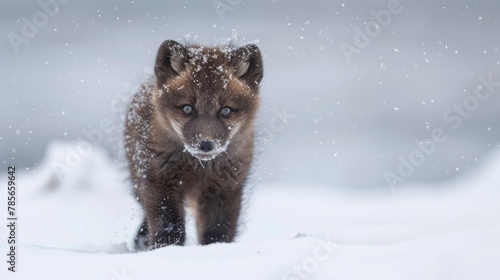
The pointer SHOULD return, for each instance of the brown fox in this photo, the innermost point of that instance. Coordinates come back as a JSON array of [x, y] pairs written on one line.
[[189, 140]]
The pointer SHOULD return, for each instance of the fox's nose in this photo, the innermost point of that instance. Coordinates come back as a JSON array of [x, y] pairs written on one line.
[[206, 146]]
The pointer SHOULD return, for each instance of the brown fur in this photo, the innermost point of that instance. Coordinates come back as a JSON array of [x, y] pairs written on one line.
[[158, 132]]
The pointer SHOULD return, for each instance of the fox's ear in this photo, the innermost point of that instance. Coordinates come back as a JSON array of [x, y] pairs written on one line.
[[170, 60], [247, 63]]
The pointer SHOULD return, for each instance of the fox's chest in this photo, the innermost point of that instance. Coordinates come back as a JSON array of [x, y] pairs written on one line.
[[188, 171]]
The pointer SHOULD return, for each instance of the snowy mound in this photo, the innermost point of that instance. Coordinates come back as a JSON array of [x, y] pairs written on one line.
[[79, 223]]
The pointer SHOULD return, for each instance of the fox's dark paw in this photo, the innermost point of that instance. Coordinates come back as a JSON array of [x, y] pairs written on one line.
[[141, 241]]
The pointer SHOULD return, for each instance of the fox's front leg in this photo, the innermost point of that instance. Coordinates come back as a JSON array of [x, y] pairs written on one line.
[[165, 220], [218, 212]]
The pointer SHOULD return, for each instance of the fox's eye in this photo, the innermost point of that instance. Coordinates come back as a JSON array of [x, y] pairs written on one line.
[[224, 112], [188, 109]]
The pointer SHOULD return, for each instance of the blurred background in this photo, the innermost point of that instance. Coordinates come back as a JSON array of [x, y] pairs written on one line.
[[347, 91]]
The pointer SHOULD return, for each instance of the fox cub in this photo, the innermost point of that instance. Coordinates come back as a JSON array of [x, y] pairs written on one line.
[[189, 140]]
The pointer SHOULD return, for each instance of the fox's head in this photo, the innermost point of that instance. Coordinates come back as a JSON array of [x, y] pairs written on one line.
[[205, 97]]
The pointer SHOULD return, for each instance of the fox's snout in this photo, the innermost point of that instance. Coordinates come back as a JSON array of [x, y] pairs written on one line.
[[204, 138], [206, 149]]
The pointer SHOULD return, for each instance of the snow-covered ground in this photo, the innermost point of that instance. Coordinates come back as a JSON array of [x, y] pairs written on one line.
[[80, 226]]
